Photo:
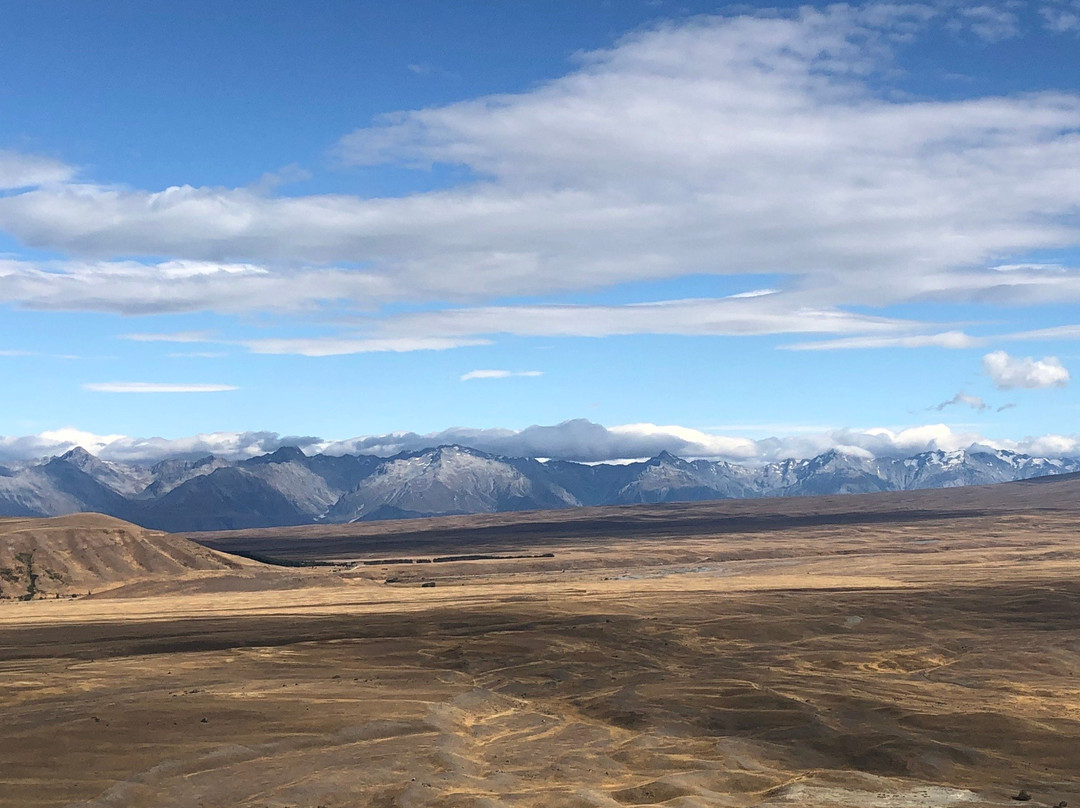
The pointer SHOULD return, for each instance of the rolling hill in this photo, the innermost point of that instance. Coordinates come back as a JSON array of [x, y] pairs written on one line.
[[89, 552]]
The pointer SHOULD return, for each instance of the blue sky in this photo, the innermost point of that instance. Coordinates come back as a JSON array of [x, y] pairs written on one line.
[[834, 225]]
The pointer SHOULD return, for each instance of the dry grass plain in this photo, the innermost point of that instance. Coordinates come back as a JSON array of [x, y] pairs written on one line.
[[901, 660]]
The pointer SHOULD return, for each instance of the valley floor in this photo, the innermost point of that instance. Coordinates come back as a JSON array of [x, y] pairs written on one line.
[[914, 663]]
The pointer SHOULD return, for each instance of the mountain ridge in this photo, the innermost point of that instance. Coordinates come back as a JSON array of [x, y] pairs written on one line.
[[288, 487]]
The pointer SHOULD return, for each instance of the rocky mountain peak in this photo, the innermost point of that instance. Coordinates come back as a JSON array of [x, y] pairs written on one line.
[[666, 458], [78, 457], [286, 454]]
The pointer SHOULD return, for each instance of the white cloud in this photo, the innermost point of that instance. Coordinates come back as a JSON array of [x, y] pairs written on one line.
[[719, 145], [28, 170], [156, 387], [499, 374], [69, 438], [1010, 372]]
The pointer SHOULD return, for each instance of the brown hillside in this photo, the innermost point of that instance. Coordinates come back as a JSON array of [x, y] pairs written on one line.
[[89, 552]]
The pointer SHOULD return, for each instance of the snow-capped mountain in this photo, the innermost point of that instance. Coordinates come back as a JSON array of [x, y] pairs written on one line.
[[975, 466], [76, 481], [447, 480], [288, 487], [124, 480]]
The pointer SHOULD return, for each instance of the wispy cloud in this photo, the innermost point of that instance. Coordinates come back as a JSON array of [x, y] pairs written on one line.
[[499, 374], [19, 170], [1055, 332], [156, 387], [16, 352], [1061, 17], [768, 314], [974, 402], [428, 69], [285, 175], [987, 22], [340, 346], [175, 336], [443, 329], [946, 339], [314, 346]]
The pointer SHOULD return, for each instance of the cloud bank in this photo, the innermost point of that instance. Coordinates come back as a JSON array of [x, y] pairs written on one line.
[[578, 440]]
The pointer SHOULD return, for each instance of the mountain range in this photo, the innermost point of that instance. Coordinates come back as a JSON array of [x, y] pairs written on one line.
[[288, 487]]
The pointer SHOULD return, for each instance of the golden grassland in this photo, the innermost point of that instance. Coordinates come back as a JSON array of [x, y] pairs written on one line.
[[899, 661]]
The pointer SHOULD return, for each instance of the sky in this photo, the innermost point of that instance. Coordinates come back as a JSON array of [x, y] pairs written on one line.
[[576, 228]]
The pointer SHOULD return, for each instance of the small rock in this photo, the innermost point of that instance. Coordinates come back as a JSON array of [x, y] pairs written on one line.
[[1023, 796]]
